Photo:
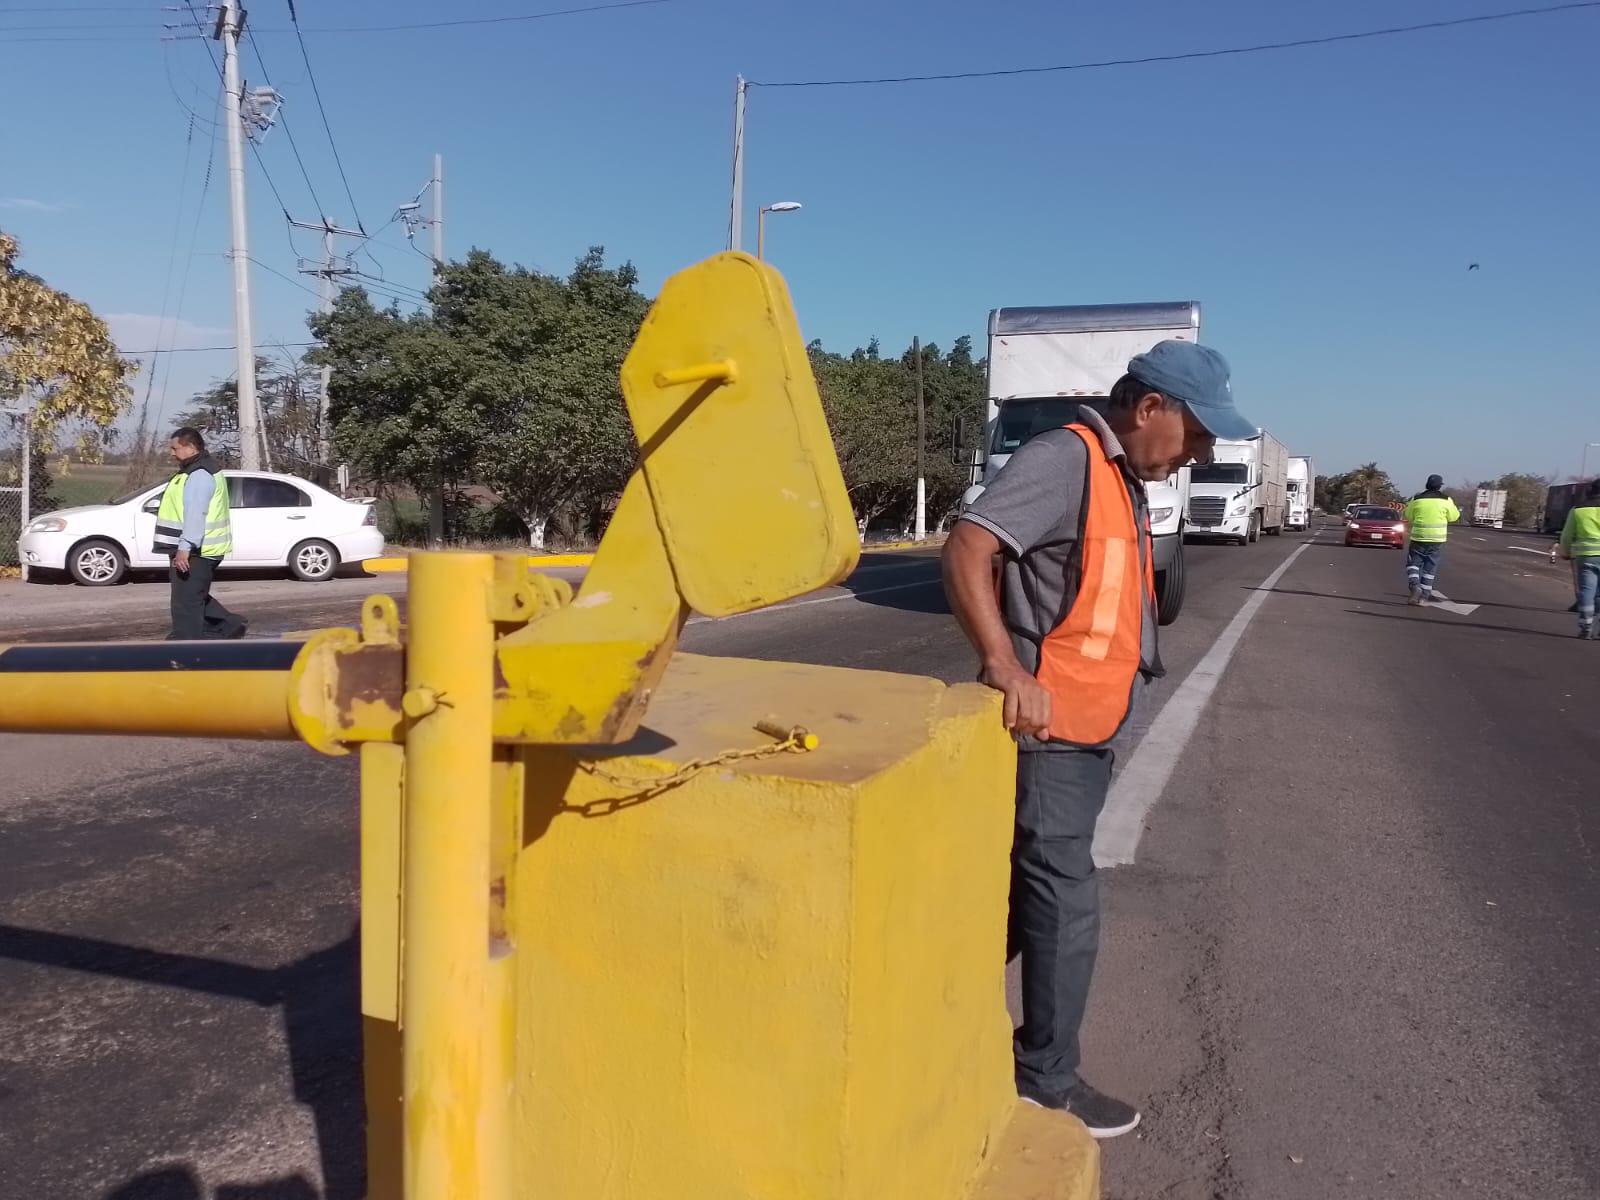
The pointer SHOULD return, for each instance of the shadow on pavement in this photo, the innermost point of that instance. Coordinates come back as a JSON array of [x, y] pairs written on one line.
[[322, 1028], [181, 1183], [903, 589], [1457, 623]]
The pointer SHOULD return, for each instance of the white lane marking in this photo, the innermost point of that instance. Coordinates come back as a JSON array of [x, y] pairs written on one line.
[[894, 587], [1140, 784], [1476, 538], [1450, 606], [1530, 550]]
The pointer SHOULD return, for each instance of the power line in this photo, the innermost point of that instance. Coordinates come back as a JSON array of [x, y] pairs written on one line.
[[283, 120], [203, 349], [172, 258], [1261, 47], [328, 129], [188, 264], [538, 16], [172, 85], [289, 279], [331, 29], [401, 288]]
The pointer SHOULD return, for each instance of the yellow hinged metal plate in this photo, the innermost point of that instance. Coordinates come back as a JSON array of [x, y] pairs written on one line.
[[735, 448]]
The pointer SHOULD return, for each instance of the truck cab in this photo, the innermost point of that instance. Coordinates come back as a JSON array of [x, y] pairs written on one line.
[[1239, 494]]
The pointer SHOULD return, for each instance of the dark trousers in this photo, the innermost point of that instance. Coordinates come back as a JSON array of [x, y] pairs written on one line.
[[1422, 566], [196, 613], [1055, 906]]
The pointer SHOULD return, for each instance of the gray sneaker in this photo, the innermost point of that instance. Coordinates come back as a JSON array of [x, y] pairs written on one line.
[[1100, 1114]]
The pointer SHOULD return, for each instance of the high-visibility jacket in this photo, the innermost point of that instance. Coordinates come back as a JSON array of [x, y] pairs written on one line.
[[1580, 536], [217, 539], [1090, 662], [1430, 516]]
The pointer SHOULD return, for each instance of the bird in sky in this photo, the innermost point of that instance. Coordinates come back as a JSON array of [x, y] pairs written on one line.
[[1472, 266]]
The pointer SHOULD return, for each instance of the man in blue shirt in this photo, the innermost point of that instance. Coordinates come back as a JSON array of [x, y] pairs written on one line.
[[193, 526]]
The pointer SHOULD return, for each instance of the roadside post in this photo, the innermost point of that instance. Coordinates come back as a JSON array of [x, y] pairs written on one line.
[[752, 947]]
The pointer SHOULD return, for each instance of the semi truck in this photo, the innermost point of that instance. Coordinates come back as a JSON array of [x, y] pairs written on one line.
[[1489, 507], [1558, 502], [1046, 362], [1239, 494], [1299, 492]]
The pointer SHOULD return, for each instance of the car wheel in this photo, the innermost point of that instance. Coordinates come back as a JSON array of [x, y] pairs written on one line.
[[97, 562], [313, 561]]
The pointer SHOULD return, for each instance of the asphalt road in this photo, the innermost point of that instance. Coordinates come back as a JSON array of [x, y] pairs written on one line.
[[1355, 955]]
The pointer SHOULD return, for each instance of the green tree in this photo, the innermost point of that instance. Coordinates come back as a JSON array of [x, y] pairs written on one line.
[[57, 360], [1525, 496], [1367, 484], [286, 393], [398, 403], [543, 353], [871, 411]]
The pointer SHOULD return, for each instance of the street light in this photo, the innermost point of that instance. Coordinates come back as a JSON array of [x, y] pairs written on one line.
[[1583, 469], [761, 222]]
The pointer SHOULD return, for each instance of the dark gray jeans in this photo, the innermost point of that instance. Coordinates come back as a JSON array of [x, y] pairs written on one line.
[[1055, 906], [196, 613]]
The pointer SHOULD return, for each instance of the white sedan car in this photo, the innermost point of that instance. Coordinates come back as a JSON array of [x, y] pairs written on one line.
[[278, 521]]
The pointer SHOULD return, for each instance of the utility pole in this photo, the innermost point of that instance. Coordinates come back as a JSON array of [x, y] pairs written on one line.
[[436, 501], [922, 441], [230, 20], [736, 206], [438, 214], [326, 271], [407, 214]]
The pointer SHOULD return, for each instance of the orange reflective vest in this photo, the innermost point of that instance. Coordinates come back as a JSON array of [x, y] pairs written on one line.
[[1090, 662]]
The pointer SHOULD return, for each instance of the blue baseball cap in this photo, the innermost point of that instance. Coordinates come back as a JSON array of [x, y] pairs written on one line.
[[1198, 376]]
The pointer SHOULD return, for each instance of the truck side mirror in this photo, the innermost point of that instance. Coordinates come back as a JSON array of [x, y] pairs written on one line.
[[958, 438]]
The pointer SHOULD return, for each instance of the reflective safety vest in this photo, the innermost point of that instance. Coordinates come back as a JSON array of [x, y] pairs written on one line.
[[1090, 662], [1430, 517], [1581, 535], [216, 541]]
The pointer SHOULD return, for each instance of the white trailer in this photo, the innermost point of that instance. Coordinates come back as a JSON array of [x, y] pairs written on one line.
[[1299, 495], [1489, 507], [1046, 362], [1239, 494]]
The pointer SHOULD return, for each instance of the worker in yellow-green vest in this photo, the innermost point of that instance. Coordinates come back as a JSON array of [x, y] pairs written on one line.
[[1580, 541], [1429, 515], [193, 527]]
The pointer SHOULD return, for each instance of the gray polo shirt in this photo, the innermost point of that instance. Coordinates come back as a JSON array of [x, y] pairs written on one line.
[[1035, 507]]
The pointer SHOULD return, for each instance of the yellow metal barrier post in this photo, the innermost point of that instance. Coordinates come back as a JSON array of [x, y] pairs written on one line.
[[448, 705]]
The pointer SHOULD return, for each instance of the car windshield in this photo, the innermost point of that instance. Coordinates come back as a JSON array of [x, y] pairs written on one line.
[[1376, 514], [133, 495], [1220, 473], [1023, 420]]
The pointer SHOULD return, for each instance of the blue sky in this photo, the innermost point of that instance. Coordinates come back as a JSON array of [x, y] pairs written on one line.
[[1323, 203]]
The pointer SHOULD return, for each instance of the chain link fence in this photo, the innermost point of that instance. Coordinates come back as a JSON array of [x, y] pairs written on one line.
[[19, 491]]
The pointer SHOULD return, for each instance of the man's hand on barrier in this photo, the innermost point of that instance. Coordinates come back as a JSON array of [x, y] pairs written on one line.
[[1027, 705], [180, 560]]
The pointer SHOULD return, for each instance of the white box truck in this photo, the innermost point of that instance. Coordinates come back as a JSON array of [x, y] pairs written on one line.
[[1045, 362], [1299, 496], [1239, 494], [1489, 508]]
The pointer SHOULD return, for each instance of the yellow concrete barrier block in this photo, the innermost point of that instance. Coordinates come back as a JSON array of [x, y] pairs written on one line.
[[778, 979]]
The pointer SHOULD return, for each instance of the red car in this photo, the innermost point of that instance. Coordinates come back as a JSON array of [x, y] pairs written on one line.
[[1370, 525]]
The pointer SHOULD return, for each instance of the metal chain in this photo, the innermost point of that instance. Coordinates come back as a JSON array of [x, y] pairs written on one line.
[[796, 741]]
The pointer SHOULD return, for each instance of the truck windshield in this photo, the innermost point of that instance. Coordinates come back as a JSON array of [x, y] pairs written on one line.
[[1220, 473], [1021, 420]]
